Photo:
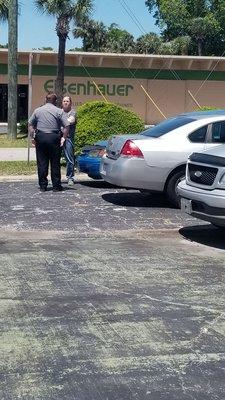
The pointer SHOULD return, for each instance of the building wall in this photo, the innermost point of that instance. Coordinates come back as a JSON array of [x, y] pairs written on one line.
[[125, 92], [170, 96], [167, 88]]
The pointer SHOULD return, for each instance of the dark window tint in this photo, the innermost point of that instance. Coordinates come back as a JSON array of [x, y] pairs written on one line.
[[199, 135], [218, 132], [166, 126]]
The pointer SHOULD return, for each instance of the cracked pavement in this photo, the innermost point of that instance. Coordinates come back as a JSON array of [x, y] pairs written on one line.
[[108, 294]]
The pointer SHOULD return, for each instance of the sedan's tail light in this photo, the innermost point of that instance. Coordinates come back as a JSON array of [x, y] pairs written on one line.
[[130, 149]]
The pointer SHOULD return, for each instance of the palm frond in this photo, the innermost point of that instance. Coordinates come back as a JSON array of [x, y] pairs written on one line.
[[4, 9]]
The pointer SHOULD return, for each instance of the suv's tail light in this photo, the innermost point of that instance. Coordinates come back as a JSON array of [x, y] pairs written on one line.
[[130, 149]]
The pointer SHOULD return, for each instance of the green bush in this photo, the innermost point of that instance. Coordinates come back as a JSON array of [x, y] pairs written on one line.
[[206, 108], [23, 126], [98, 120]]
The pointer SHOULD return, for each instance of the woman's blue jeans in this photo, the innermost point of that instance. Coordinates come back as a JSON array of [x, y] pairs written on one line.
[[68, 150]]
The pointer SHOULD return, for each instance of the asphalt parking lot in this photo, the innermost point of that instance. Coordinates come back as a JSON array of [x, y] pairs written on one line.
[[108, 294]]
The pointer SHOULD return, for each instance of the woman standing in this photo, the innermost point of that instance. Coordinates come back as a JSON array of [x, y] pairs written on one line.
[[68, 146]]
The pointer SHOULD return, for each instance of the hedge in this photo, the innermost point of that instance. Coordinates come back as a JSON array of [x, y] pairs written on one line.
[[207, 108], [23, 126], [98, 120]]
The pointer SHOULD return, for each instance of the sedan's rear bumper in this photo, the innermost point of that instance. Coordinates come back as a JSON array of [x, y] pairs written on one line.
[[203, 204], [131, 173]]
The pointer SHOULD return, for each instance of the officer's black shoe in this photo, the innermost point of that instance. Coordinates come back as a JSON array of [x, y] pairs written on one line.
[[58, 189], [43, 189]]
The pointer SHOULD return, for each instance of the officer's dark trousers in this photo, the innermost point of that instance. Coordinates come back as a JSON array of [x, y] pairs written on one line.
[[48, 150]]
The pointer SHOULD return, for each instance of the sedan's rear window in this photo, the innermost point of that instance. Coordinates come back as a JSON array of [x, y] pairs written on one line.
[[166, 126]]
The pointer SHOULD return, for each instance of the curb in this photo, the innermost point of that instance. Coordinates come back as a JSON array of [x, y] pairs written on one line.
[[79, 176]]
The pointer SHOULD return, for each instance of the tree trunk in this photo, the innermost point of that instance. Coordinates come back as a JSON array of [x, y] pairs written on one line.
[[12, 68], [199, 41], [85, 43], [59, 83]]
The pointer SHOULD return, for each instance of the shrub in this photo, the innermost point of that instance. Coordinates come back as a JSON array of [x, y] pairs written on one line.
[[98, 120], [206, 108], [23, 126]]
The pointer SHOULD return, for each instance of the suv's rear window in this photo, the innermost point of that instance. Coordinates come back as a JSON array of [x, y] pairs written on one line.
[[166, 126]]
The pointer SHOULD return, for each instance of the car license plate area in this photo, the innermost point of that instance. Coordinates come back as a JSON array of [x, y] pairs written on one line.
[[186, 206]]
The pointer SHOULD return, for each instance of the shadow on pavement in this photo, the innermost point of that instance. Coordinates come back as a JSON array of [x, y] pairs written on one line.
[[205, 234], [136, 199], [97, 184], [65, 187]]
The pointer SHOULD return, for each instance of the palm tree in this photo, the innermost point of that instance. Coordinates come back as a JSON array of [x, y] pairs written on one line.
[[201, 28], [119, 40], [93, 33], [148, 43], [4, 10], [64, 11], [3, 14], [12, 67]]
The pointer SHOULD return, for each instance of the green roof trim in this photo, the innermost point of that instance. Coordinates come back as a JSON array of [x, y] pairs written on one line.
[[50, 70]]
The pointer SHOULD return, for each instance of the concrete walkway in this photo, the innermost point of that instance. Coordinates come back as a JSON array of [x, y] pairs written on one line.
[[17, 154]]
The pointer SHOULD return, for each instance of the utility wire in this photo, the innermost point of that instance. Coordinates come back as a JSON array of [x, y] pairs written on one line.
[[133, 73], [139, 25], [210, 73], [142, 29], [132, 15], [129, 11], [95, 84], [144, 90]]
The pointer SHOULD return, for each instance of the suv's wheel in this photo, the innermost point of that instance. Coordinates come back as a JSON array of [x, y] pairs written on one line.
[[171, 188]]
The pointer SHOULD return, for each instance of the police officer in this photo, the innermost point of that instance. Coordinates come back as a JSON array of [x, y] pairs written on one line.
[[45, 131]]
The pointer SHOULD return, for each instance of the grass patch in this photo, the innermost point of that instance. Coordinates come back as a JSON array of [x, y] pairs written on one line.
[[22, 168], [17, 167], [5, 142]]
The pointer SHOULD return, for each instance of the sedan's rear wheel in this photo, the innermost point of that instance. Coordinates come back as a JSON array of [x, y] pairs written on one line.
[[221, 228], [171, 188]]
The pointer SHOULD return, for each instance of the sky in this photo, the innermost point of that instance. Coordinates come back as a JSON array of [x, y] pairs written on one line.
[[36, 30]]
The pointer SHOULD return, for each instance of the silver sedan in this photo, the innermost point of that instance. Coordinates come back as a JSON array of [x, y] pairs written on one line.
[[155, 159]]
